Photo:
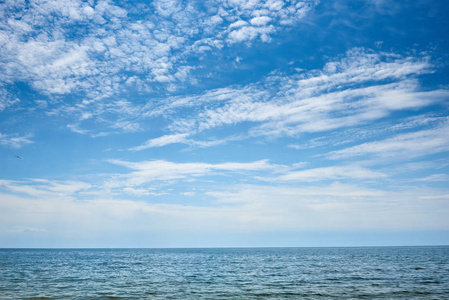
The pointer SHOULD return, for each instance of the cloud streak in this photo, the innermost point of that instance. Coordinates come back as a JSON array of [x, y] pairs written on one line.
[[402, 146], [332, 173], [45, 188], [157, 170], [15, 140], [162, 141]]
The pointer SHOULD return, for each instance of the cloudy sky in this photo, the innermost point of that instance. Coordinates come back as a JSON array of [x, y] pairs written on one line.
[[211, 123]]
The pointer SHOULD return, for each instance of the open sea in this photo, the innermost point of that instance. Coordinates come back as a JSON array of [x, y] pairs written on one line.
[[226, 273]]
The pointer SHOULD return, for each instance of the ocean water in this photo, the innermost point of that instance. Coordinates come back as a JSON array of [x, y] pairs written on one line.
[[226, 273]]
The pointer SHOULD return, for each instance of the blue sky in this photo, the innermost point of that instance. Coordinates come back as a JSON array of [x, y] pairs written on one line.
[[223, 123]]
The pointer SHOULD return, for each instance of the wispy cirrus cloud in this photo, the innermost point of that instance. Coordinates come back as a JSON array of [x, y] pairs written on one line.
[[353, 90], [183, 138], [359, 88], [325, 112], [44, 187], [435, 178], [402, 146], [331, 173], [148, 171], [156, 170], [162, 141], [6, 99], [372, 131], [15, 140]]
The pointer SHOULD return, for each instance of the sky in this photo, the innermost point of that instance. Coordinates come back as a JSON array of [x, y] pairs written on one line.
[[224, 123]]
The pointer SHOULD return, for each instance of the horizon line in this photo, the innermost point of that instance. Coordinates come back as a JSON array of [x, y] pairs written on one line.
[[218, 247]]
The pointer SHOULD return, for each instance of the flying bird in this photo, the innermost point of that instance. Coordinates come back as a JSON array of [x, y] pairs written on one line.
[[16, 156]]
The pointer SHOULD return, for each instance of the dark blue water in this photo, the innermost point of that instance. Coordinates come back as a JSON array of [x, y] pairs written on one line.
[[240, 273]]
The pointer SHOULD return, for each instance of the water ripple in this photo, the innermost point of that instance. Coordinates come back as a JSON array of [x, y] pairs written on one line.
[[259, 273]]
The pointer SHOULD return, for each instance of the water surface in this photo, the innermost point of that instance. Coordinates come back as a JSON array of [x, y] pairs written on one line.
[[226, 273]]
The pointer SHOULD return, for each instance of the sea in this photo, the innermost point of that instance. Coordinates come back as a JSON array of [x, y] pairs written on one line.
[[226, 273]]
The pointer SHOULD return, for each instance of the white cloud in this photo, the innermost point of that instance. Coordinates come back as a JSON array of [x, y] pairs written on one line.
[[332, 173], [238, 24], [215, 142], [314, 101], [248, 33], [74, 128], [370, 131], [26, 230], [250, 207], [340, 206], [112, 52], [320, 113], [260, 21], [435, 197], [162, 141], [156, 170], [6, 99], [435, 177], [45, 188], [141, 192], [14, 140], [402, 146], [114, 44], [313, 143]]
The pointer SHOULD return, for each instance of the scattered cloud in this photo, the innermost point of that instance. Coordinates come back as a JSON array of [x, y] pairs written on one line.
[[153, 48]]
